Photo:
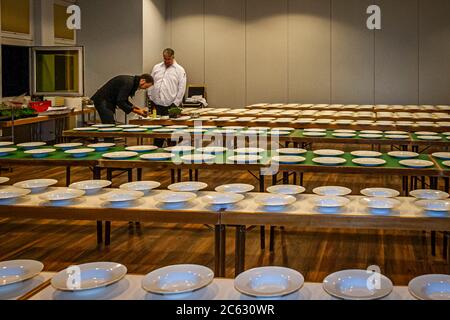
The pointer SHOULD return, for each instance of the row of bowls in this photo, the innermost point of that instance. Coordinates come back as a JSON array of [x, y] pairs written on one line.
[[329, 198], [265, 282]]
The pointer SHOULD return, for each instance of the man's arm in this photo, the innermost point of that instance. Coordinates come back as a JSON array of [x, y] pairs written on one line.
[[123, 102], [181, 89]]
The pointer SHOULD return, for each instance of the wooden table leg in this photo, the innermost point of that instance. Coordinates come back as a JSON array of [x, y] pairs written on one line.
[[107, 233], [99, 232], [272, 239], [67, 176], [172, 176], [263, 237], [139, 174], [240, 250], [261, 183]]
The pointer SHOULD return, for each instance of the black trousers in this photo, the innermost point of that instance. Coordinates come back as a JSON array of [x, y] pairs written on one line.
[[107, 114], [161, 111]]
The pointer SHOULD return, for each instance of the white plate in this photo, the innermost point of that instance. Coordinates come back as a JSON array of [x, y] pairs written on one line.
[[424, 194], [122, 196], [128, 126], [7, 151], [4, 144], [333, 191], [120, 155], [163, 130], [222, 198], [91, 186], [141, 148], [135, 130], [245, 158], [288, 159], [198, 158], [86, 129], [417, 163], [18, 270], [353, 285], [430, 287], [178, 279], [110, 130], [403, 154], [151, 127], [315, 130], [9, 193], [40, 153], [37, 185], [101, 146], [286, 189], [370, 136], [4, 180], [330, 202], [93, 275], [434, 205], [369, 162], [442, 155], [396, 132], [279, 133], [187, 186], [142, 186], [430, 138], [344, 135], [249, 150], [272, 199], [62, 194], [31, 145], [366, 154], [396, 137], [426, 133], [329, 153], [329, 161], [104, 126], [157, 156], [212, 150], [380, 203], [344, 130], [180, 149], [79, 153], [269, 282], [283, 129], [175, 197], [371, 132], [67, 146], [380, 193], [291, 151], [177, 127], [446, 163], [235, 188], [315, 134]]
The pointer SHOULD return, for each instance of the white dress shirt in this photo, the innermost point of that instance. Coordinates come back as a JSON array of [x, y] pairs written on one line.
[[170, 85]]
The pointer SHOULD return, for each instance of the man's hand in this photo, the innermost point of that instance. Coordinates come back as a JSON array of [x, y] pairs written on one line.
[[140, 112]]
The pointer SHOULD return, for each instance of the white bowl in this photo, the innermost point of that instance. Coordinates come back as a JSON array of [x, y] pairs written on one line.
[[91, 186], [329, 161], [180, 149], [92, 276], [274, 200], [198, 158], [403, 154], [417, 163], [380, 203], [269, 282], [369, 162], [329, 153], [366, 154], [157, 156], [128, 126], [4, 144], [442, 155], [178, 279], [68, 146], [175, 197], [424, 194], [142, 186], [291, 151], [286, 189], [356, 285], [4, 180], [141, 148], [187, 186], [40, 153], [235, 188], [120, 155], [430, 287], [31, 145], [18, 270], [430, 138], [122, 196], [63, 194], [101, 146], [315, 134], [8, 193], [249, 151], [79, 153], [7, 151], [288, 159], [37, 185], [330, 202], [380, 193], [434, 205], [104, 126], [334, 191], [221, 198]]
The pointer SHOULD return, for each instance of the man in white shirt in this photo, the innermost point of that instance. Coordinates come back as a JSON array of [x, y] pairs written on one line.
[[170, 84]]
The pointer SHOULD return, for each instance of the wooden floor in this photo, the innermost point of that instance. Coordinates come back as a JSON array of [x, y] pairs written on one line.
[[315, 253]]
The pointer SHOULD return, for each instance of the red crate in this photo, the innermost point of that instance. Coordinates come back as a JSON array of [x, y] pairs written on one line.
[[40, 106]]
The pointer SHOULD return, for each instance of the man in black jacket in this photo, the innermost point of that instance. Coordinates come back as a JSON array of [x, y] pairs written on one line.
[[117, 92]]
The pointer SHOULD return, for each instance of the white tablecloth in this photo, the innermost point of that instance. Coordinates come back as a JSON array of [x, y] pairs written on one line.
[[221, 289]]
